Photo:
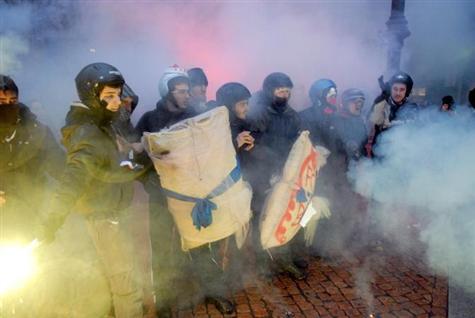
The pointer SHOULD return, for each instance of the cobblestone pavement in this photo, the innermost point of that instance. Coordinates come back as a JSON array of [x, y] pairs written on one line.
[[380, 284]]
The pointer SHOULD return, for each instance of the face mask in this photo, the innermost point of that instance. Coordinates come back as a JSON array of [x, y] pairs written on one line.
[[331, 96], [9, 114], [279, 103]]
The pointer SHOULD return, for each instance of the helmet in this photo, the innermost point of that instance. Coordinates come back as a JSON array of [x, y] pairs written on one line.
[[319, 89], [231, 93], [197, 77], [276, 80], [351, 94], [404, 78], [169, 74], [449, 100], [91, 80], [7, 84]]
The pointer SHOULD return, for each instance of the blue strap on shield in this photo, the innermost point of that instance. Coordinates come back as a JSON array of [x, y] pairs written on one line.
[[202, 211]]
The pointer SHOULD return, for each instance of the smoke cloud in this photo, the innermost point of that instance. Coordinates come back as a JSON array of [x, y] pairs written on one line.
[[424, 167], [424, 178]]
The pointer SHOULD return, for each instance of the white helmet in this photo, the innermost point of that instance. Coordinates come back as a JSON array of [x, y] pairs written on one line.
[[169, 74]]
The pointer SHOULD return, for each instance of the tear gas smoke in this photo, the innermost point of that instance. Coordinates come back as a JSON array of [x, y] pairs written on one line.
[[424, 178]]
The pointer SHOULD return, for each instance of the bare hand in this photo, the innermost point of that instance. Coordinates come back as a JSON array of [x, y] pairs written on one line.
[[245, 138]]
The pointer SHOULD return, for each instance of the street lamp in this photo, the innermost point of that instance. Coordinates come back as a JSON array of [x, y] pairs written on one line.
[[397, 33]]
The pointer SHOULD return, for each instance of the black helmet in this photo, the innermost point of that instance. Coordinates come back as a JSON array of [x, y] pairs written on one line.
[[449, 100], [276, 80], [231, 93], [197, 77], [91, 80], [7, 84], [352, 94], [319, 89], [404, 78]]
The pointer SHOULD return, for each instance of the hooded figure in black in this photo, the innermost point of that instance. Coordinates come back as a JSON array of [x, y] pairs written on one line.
[[391, 107], [278, 127], [235, 97], [29, 156], [319, 118], [95, 184]]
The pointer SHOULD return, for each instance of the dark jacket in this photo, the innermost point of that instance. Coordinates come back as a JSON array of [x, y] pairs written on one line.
[[154, 121], [93, 181], [29, 155], [351, 136], [244, 156], [320, 122], [159, 118], [277, 132]]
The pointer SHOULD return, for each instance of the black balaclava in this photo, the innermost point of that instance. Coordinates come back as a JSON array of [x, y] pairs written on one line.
[[273, 81], [9, 113]]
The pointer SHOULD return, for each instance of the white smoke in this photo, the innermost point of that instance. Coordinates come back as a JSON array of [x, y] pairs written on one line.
[[12, 48], [424, 176]]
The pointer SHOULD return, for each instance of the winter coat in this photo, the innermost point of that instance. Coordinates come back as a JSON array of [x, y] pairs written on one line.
[[93, 181], [386, 114], [321, 124], [244, 156], [29, 156], [154, 121], [159, 118], [351, 136], [276, 134]]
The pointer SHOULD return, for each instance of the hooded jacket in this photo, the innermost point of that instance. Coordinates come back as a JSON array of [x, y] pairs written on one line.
[[93, 180], [29, 156]]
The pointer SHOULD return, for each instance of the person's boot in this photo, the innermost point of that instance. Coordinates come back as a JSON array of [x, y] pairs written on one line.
[[300, 262], [289, 268], [164, 312], [223, 305]]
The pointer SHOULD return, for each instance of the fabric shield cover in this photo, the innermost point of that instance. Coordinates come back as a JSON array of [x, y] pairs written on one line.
[[290, 196], [192, 158]]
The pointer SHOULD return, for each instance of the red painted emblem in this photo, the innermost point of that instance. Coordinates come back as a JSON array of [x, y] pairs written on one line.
[[289, 223]]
